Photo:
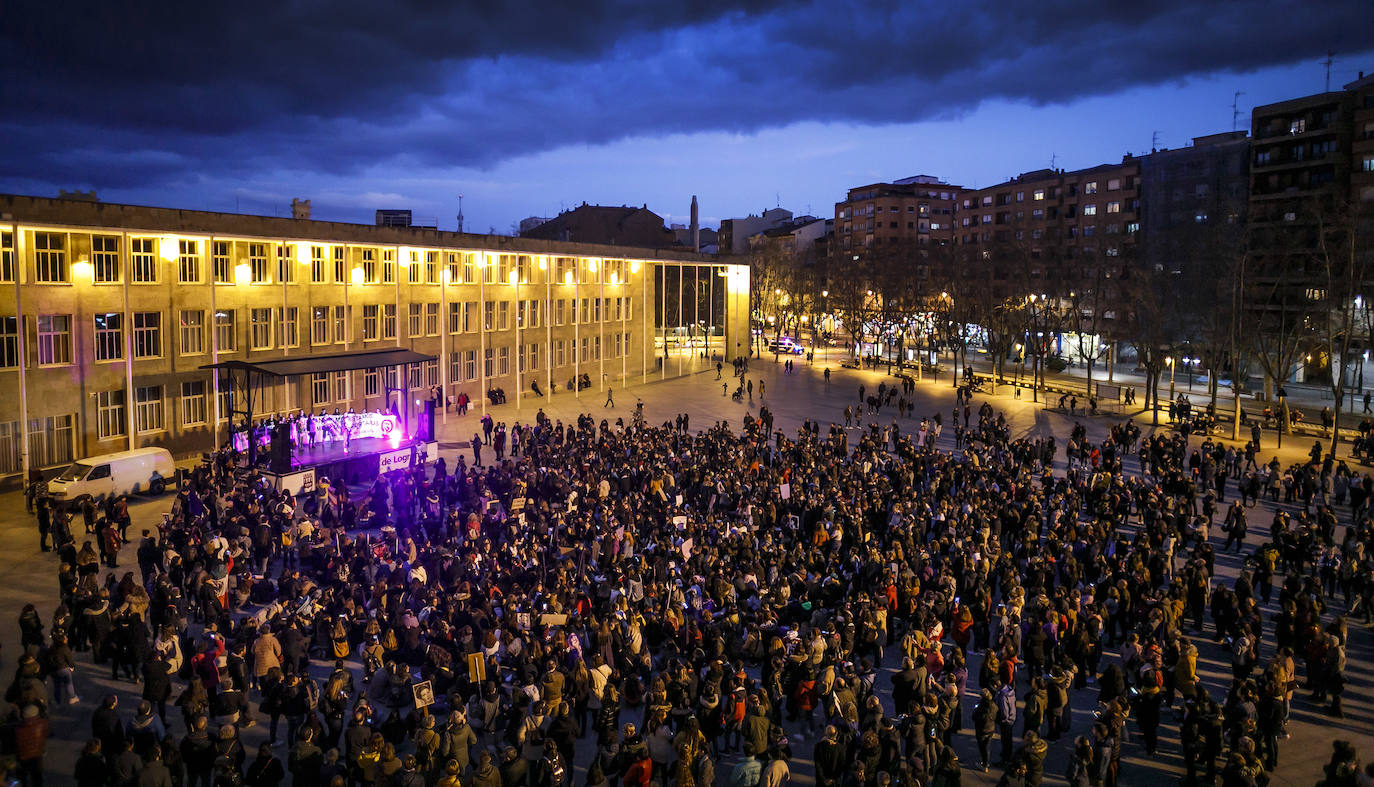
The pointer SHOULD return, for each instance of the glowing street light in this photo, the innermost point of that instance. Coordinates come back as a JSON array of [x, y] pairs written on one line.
[[243, 273], [358, 275]]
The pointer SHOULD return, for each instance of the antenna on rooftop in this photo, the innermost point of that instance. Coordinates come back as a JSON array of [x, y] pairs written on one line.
[[1330, 59], [1235, 108], [1154, 141], [1053, 158]]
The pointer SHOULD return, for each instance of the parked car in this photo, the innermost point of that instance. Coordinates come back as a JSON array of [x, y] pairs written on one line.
[[142, 470]]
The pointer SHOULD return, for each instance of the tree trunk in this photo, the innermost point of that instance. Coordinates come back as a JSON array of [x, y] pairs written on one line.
[[1153, 380]]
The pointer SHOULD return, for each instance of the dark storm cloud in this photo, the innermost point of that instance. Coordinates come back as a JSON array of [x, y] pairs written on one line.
[[122, 96]]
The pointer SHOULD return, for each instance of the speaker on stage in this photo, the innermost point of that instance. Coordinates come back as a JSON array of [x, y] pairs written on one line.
[[427, 433], [281, 448]]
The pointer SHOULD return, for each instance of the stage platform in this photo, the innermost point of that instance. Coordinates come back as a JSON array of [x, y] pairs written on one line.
[[365, 458]]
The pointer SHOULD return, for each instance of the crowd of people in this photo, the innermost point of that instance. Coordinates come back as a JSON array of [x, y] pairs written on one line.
[[634, 605]]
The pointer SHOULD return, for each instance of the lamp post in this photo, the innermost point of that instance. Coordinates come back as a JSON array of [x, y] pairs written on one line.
[[1188, 370], [1169, 362]]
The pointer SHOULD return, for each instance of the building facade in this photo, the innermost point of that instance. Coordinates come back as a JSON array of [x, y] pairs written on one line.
[[1050, 231], [918, 210], [108, 312], [1194, 202]]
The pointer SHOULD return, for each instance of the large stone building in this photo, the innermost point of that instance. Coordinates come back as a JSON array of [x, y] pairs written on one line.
[[109, 312]]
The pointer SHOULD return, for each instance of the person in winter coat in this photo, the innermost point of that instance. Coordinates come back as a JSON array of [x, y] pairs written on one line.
[[985, 726], [1032, 753]]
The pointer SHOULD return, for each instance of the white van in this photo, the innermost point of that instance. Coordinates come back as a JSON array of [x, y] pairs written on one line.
[[126, 472]]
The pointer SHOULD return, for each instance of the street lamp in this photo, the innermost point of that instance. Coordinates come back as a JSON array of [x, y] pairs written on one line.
[[1169, 361], [1188, 370]]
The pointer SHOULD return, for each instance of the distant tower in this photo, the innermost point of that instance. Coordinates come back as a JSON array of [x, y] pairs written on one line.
[[300, 209], [460, 213], [696, 226]]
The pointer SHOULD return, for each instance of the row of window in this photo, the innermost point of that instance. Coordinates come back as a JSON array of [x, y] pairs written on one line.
[[277, 327], [328, 388], [52, 442], [52, 258]]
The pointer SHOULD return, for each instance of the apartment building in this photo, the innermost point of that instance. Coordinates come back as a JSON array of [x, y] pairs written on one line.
[[918, 210], [109, 312], [1049, 230]]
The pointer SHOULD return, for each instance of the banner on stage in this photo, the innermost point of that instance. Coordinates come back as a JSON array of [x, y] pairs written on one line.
[[329, 429], [401, 459]]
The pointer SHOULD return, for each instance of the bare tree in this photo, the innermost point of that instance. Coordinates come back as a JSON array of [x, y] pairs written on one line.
[[1345, 271]]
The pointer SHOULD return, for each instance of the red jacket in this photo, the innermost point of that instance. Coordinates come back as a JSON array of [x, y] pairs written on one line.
[[637, 775], [31, 738]]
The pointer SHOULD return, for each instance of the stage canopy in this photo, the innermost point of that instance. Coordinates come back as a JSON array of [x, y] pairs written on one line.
[[297, 366]]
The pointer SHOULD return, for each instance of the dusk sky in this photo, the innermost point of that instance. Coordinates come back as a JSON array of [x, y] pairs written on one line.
[[525, 109]]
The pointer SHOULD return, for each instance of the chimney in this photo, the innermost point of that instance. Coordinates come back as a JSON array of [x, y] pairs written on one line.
[[695, 226], [300, 209]]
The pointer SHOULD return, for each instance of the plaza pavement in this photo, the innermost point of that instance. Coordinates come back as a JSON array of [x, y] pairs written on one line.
[[29, 576]]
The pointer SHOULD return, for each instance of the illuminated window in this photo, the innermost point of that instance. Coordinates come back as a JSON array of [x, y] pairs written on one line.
[[188, 261], [147, 334], [109, 412], [257, 261], [143, 261], [148, 409], [193, 409], [105, 259], [109, 336], [192, 332]]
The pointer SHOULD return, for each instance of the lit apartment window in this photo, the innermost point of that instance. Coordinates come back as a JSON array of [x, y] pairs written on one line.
[[105, 258], [1090, 187], [109, 414], [109, 336], [148, 409], [188, 261], [1298, 126], [193, 407], [1113, 207], [1038, 195], [1090, 209], [192, 332], [147, 334], [143, 261]]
